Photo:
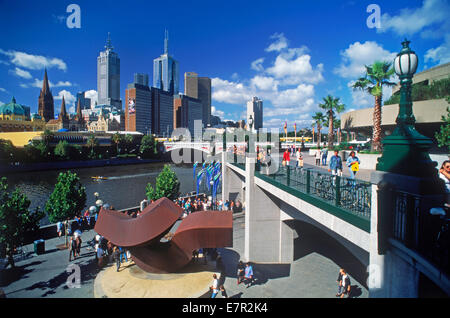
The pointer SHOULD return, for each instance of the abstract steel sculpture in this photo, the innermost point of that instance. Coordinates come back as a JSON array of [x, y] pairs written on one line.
[[142, 235]]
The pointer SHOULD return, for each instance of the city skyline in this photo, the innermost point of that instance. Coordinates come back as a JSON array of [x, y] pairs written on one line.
[[286, 55]]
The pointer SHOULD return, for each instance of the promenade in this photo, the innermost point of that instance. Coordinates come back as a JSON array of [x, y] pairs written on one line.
[[313, 273]]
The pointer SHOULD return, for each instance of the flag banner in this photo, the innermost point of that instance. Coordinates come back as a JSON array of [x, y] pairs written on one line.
[[195, 168]]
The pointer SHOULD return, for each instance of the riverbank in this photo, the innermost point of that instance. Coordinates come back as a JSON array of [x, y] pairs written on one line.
[[63, 165]]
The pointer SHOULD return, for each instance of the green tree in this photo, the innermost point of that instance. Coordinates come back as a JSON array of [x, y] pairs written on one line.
[[7, 151], [377, 75], [67, 199], [331, 105], [167, 185], [443, 135], [62, 150], [128, 140], [15, 219], [319, 120], [147, 148], [91, 143], [117, 139]]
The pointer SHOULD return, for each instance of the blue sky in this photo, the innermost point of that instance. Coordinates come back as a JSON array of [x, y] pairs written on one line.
[[291, 54]]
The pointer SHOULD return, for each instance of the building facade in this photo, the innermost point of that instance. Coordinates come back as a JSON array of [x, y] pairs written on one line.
[[200, 88], [108, 77], [138, 109], [46, 108], [186, 110], [255, 110], [162, 111], [166, 70], [16, 117], [84, 102]]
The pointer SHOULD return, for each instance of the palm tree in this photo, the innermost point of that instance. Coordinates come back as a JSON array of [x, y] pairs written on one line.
[[128, 139], [331, 105], [320, 119], [92, 142], [377, 75], [117, 138]]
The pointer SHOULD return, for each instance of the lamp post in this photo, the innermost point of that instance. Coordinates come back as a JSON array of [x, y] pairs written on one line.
[[405, 151]]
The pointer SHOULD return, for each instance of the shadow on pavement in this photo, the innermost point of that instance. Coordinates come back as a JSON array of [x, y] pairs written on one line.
[[313, 240], [88, 272], [10, 275]]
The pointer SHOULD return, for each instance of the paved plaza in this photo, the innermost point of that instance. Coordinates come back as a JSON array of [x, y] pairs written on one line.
[[312, 274]]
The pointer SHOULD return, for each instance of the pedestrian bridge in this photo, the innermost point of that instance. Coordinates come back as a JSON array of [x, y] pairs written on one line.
[[386, 229]]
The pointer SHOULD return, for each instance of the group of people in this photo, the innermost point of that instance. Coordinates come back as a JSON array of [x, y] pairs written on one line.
[[106, 251], [292, 152], [244, 275], [321, 156], [201, 203], [352, 163]]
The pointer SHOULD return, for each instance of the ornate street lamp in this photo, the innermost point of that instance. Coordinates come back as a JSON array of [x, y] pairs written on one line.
[[405, 151]]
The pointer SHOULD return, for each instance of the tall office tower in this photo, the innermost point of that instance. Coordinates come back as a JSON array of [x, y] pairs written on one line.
[[138, 108], [162, 109], [141, 79], [108, 77], [200, 88], [185, 111], [165, 70], [255, 109], [46, 108], [84, 102]]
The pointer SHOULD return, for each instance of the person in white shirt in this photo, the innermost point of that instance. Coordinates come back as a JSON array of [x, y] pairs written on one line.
[[215, 286]]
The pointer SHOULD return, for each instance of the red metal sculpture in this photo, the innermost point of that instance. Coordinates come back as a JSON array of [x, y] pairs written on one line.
[[142, 235]]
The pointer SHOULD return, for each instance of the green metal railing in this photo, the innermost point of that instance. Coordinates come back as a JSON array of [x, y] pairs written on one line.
[[345, 198]]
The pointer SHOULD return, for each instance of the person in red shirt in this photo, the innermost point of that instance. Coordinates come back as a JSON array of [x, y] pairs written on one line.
[[286, 158]]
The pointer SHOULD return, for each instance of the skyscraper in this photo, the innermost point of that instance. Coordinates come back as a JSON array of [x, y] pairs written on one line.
[[185, 111], [138, 108], [165, 70], [84, 102], [200, 88], [162, 111], [46, 108], [108, 77], [255, 109]]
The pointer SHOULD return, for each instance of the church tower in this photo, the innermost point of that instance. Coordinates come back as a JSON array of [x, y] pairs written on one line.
[[45, 103]]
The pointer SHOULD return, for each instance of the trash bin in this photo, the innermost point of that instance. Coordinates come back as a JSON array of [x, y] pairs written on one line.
[[39, 246]]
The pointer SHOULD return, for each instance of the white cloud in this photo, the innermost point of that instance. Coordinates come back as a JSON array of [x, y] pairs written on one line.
[[1, 103], [280, 43], [411, 21], [216, 112], [300, 97], [264, 83], [21, 73], [440, 54], [68, 98], [38, 83], [293, 67], [3, 90], [34, 62], [229, 92], [93, 95], [257, 65], [357, 55]]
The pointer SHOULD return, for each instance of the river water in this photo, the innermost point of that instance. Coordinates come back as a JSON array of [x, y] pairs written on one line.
[[124, 188]]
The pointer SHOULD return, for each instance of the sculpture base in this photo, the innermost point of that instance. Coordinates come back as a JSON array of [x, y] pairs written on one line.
[[192, 281]]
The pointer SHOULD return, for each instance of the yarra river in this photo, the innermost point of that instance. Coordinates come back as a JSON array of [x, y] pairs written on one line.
[[124, 188]]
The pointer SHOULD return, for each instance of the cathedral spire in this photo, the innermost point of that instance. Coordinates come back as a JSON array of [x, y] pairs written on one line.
[[45, 85], [79, 115], [63, 113]]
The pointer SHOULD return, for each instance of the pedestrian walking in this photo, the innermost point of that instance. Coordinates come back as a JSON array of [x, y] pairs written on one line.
[[318, 156], [324, 156], [224, 292], [116, 256], [123, 254], [353, 164], [240, 272], [72, 249], [286, 158], [248, 275], [59, 228], [335, 164], [339, 282], [215, 286], [345, 284], [444, 174], [78, 242]]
